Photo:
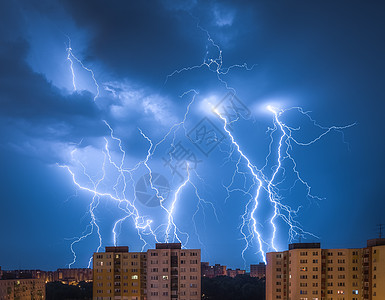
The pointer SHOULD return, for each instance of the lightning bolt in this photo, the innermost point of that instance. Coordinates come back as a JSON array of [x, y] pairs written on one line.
[[141, 223], [71, 57], [248, 227], [93, 223], [257, 180], [121, 187], [170, 211], [201, 204], [283, 153], [261, 179], [213, 64]]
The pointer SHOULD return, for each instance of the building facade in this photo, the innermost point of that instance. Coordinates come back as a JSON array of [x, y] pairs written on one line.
[[164, 273], [374, 269], [212, 271], [173, 273], [74, 275], [22, 289], [307, 272], [119, 274], [234, 273], [68, 276], [258, 271], [27, 274]]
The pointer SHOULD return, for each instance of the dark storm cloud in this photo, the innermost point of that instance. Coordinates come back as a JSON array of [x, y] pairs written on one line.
[[11, 20], [28, 96], [36, 117], [141, 39], [25, 94]]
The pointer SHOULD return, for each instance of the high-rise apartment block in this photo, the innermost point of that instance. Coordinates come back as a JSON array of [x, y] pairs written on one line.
[[374, 269], [119, 274], [164, 273], [173, 273], [307, 272]]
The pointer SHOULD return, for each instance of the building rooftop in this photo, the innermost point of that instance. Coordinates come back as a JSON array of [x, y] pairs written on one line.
[[304, 246], [376, 242], [260, 264], [117, 249], [168, 246]]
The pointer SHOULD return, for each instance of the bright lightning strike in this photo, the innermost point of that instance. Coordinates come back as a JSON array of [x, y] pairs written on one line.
[[283, 153], [213, 64], [257, 180], [70, 57], [123, 187], [264, 179], [271, 184]]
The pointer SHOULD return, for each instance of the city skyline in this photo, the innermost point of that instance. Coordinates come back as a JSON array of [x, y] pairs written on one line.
[[235, 128]]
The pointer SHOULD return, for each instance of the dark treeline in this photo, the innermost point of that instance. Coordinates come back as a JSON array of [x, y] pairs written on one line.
[[59, 291], [242, 287]]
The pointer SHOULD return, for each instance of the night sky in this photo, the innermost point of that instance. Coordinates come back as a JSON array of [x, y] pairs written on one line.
[[327, 57]]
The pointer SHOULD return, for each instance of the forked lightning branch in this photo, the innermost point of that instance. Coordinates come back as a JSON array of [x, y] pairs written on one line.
[[215, 131]]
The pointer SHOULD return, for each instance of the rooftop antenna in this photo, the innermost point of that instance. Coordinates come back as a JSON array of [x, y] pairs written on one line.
[[380, 228]]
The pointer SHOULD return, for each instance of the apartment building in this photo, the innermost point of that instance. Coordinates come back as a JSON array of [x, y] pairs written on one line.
[[119, 274], [68, 276], [374, 269], [74, 275], [173, 273], [22, 289], [164, 273], [258, 271], [307, 272], [27, 274], [212, 271], [234, 273]]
